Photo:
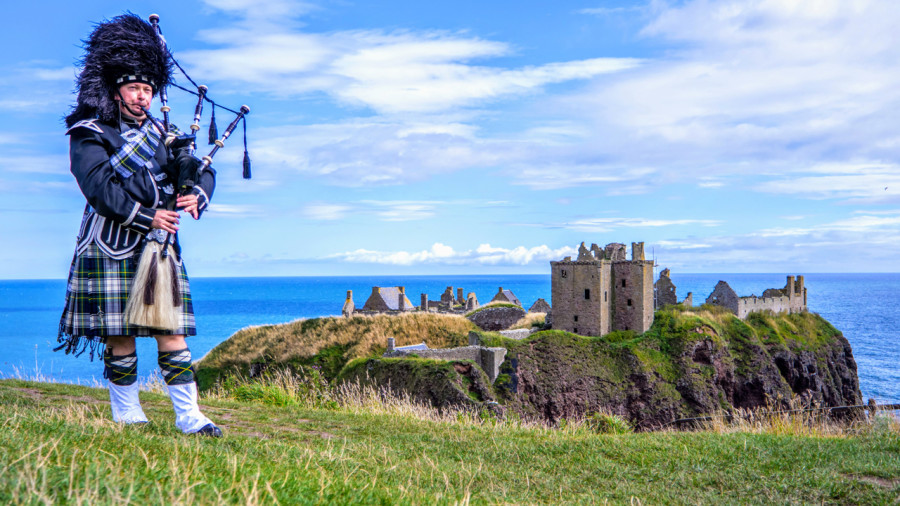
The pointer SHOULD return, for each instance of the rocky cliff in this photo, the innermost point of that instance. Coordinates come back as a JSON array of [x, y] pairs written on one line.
[[688, 364]]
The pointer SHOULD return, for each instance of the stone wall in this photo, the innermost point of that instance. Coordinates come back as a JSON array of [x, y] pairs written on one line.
[[488, 359], [665, 290], [539, 306], [633, 295], [725, 296], [580, 295], [790, 299]]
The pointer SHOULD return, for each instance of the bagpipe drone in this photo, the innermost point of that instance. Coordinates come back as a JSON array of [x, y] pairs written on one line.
[[154, 299]]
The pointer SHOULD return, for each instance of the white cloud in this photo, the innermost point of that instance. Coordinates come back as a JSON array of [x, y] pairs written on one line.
[[440, 253], [326, 212], [606, 11], [390, 72], [751, 87], [35, 164], [873, 182], [866, 242], [66, 74], [763, 89], [384, 210], [217, 210], [402, 210], [596, 225]]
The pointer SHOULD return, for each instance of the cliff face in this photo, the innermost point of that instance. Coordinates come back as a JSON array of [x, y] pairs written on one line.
[[688, 364]]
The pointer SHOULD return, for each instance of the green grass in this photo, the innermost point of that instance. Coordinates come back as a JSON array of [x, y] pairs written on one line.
[[57, 445]]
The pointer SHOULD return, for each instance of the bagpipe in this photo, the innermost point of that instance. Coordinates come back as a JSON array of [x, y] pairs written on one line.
[[155, 297]]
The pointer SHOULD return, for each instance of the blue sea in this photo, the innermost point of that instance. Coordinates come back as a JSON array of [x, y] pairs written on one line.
[[860, 305]]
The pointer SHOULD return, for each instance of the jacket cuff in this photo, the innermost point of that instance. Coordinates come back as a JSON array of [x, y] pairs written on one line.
[[202, 199], [143, 219]]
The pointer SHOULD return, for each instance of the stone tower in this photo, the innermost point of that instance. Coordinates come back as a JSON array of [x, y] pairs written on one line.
[[602, 290]]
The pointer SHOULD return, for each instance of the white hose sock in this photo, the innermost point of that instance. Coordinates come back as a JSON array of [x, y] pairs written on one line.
[[126, 406], [188, 417]]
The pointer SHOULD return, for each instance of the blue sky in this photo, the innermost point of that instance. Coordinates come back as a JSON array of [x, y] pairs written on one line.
[[400, 137]]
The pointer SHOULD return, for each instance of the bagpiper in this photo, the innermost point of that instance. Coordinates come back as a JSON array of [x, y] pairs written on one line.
[[129, 169]]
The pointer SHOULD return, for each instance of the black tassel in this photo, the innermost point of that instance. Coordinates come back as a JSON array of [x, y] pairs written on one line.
[[151, 282], [246, 154], [213, 129], [246, 165], [176, 294]]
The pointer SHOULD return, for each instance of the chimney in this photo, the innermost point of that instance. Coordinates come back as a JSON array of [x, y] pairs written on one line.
[[637, 251], [459, 296], [401, 303], [424, 300]]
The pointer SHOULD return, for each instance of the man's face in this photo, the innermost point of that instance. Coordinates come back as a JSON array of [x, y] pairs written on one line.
[[133, 97]]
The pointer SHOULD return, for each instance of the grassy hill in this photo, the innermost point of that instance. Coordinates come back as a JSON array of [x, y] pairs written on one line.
[[57, 444], [328, 343]]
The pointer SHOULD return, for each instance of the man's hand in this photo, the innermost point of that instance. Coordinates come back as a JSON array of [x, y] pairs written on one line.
[[165, 220], [188, 204]]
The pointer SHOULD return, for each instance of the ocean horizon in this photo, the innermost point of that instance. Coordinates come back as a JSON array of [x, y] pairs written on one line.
[[858, 304]]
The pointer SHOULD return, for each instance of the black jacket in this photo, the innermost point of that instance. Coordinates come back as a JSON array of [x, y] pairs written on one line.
[[120, 209]]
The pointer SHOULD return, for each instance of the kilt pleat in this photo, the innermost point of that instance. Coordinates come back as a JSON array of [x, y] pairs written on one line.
[[96, 295]]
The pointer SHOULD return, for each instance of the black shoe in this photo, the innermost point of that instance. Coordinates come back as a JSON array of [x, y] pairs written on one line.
[[210, 430]]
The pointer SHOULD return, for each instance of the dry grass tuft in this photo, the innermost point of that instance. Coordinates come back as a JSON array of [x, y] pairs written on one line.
[[796, 420], [530, 320]]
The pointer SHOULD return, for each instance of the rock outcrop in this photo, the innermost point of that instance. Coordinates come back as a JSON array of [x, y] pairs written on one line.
[[499, 317], [686, 365]]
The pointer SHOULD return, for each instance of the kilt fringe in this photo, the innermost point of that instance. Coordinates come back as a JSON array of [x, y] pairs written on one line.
[[77, 345]]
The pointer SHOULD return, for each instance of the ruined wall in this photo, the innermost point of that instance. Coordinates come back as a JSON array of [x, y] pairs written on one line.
[[539, 306], [790, 299], [725, 296], [665, 290]]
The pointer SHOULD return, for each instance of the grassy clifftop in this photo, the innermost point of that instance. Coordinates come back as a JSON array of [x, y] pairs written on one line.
[[329, 343], [692, 362]]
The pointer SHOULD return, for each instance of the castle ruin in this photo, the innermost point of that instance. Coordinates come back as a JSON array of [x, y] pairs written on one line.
[[602, 291], [790, 299], [664, 291]]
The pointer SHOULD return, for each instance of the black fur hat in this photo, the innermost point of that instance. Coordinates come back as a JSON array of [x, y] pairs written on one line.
[[123, 49]]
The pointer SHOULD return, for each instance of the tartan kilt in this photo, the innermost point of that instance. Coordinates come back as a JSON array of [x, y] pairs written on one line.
[[96, 295]]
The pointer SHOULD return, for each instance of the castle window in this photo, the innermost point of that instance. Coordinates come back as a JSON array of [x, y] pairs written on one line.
[[575, 331], [629, 302], [587, 294], [576, 318], [604, 296], [623, 283]]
